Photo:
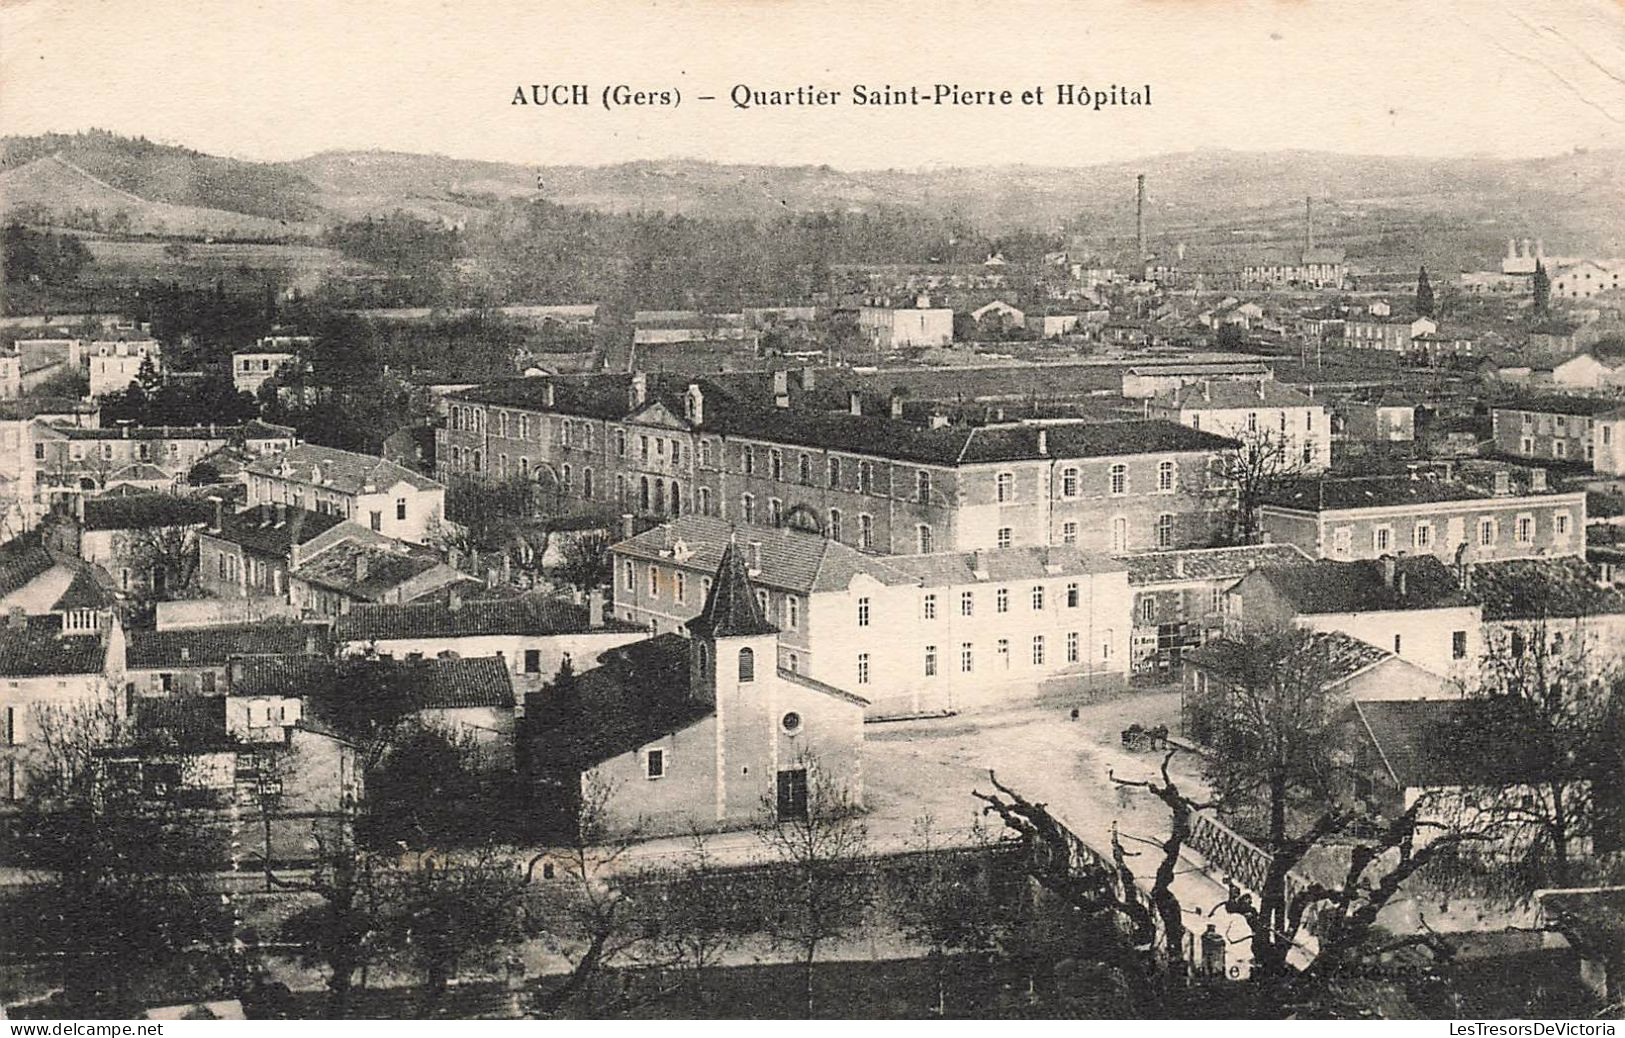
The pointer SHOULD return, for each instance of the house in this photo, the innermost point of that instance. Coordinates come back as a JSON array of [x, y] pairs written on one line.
[[1348, 670], [1555, 609], [914, 634], [1386, 417], [1481, 515], [1385, 332], [532, 634], [194, 660], [361, 567], [676, 735], [1552, 340], [660, 448], [1265, 414], [895, 328], [145, 541], [1585, 373], [115, 365], [1308, 267], [253, 368], [1050, 323], [998, 317], [669, 327], [248, 554], [11, 374], [1179, 598], [1548, 428], [1411, 605], [1587, 278], [384, 497], [1607, 447], [1144, 381], [1445, 345]]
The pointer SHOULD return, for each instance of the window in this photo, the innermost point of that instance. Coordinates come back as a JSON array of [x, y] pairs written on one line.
[[1072, 595], [375, 519], [1560, 525], [1003, 537], [792, 794], [866, 532], [626, 575], [747, 666], [1252, 421], [791, 722], [834, 529], [866, 476], [748, 460], [1382, 539], [922, 486], [1069, 532], [704, 499], [1038, 598], [967, 658], [1422, 537], [929, 608], [1458, 645], [1069, 482], [762, 601], [705, 454], [1396, 645], [680, 587], [1038, 650], [1004, 487], [804, 470], [533, 661], [654, 763], [792, 612], [1165, 530], [1560, 448], [923, 538], [1001, 649], [1165, 477], [1148, 609], [930, 661], [863, 612], [654, 581], [1119, 534], [1343, 541], [967, 603], [775, 464], [1524, 529], [1001, 600], [835, 472], [747, 508], [863, 668], [1119, 479], [775, 511], [1486, 532]]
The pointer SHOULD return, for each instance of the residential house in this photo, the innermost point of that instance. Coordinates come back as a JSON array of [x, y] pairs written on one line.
[[362, 567], [1607, 447], [1385, 332], [1145, 381], [1552, 341], [253, 368], [533, 634], [1481, 516], [11, 374], [384, 497], [1586, 373], [1587, 278], [1548, 428], [1555, 610], [1411, 605], [249, 554], [115, 365], [1303, 268], [1263, 415], [998, 317], [895, 328], [675, 735], [1385, 417], [194, 660], [1444, 345]]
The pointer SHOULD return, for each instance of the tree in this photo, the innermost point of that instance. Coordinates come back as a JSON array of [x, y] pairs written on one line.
[[1262, 462], [1542, 285], [1424, 293], [823, 878], [341, 932], [167, 558], [429, 788], [587, 561]]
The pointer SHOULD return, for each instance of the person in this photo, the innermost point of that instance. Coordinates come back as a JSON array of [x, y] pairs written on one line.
[[1212, 952], [1074, 713]]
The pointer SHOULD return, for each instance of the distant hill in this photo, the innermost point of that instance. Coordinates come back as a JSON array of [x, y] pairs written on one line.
[[1464, 207]]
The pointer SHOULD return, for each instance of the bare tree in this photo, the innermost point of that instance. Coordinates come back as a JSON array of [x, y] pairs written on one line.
[[1263, 461], [823, 880], [341, 932]]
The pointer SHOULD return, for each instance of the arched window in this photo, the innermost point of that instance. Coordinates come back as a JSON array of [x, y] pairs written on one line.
[[747, 666], [676, 499], [705, 656], [643, 493]]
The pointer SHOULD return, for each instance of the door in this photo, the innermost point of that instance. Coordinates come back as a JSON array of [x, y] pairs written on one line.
[[793, 795]]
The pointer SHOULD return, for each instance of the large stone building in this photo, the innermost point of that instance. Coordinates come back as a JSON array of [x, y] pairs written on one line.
[[1549, 428], [877, 483], [385, 497]]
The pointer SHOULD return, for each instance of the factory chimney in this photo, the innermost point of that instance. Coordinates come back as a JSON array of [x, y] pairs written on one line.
[[1308, 223], [1139, 214]]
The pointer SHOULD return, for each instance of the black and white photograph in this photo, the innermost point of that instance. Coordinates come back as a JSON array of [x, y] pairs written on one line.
[[812, 510]]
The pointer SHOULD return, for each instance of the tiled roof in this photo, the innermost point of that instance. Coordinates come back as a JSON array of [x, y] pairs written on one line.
[[211, 646], [1557, 403], [1163, 567], [529, 614], [196, 723], [1216, 368], [1527, 589], [1428, 743], [790, 560], [1337, 656], [638, 693], [344, 471], [23, 568], [84, 591], [338, 568], [1320, 495], [37, 650], [1326, 586], [144, 511], [1232, 394], [24, 408], [267, 531], [433, 684], [947, 569], [150, 432], [731, 609]]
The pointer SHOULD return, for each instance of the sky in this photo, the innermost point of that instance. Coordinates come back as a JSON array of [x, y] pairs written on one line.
[[283, 80]]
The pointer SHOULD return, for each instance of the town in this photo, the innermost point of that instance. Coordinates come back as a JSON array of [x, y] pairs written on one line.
[[567, 613]]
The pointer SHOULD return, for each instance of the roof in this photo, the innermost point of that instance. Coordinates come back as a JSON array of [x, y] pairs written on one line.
[[39, 582], [1232, 394], [431, 684], [527, 614], [1234, 367], [947, 569], [731, 608], [23, 568], [38, 649], [24, 408], [637, 694], [1326, 586], [1529, 589], [787, 560], [1557, 403], [344, 471], [208, 646], [1335, 494], [196, 723], [1341, 656], [273, 529], [364, 570], [144, 511], [1431, 743], [1163, 567]]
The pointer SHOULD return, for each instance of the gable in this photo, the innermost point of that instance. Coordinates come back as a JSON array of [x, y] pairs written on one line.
[[658, 415]]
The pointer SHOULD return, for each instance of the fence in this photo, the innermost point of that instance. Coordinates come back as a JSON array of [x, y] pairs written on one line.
[[1239, 860]]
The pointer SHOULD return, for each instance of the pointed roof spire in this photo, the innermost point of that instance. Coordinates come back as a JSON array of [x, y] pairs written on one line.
[[731, 609]]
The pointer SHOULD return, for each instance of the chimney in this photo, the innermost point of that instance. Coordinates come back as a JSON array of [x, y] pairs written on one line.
[[454, 600], [595, 608], [896, 404], [638, 391], [809, 379], [781, 388], [1501, 483], [1179, 566], [1179, 251], [1388, 568], [1139, 214], [547, 394], [219, 513], [627, 531], [1308, 223], [1537, 480], [294, 543], [854, 402], [694, 403], [1043, 441], [939, 421], [281, 514], [360, 567]]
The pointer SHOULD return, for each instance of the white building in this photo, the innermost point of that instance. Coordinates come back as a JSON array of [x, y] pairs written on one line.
[[114, 365], [1588, 278], [388, 498], [1254, 413], [251, 369], [892, 328]]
